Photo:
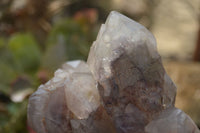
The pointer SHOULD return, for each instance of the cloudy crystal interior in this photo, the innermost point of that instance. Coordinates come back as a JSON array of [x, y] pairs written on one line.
[[123, 88]]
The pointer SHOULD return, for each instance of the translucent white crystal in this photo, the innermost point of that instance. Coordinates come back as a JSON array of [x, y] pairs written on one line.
[[74, 64], [81, 94], [172, 121], [119, 35], [77, 65], [72, 89]]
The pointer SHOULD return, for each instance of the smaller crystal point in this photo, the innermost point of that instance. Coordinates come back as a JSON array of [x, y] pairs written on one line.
[[72, 90], [81, 94]]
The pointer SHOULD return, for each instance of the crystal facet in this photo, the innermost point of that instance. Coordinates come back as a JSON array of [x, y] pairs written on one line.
[[123, 89], [70, 94]]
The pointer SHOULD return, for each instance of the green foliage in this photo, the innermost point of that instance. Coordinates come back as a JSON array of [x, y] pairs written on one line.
[[8, 67], [7, 75], [25, 51], [74, 37], [17, 122], [55, 55], [21, 60], [67, 41], [2, 43]]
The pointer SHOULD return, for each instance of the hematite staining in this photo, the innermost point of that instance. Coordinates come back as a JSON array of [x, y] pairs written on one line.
[[123, 88]]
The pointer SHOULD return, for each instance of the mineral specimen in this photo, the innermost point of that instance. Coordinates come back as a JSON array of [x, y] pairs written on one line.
[[72, 93], [123, 89]]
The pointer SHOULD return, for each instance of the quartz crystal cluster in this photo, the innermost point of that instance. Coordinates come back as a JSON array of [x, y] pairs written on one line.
[[123, 88]]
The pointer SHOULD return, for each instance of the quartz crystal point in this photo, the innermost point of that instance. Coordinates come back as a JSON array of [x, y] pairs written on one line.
[[71, 94], [125, 89]]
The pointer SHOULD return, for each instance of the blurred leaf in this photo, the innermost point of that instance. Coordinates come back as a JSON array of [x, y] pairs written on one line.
[[2, 43], [25, 51], [6, 56], [74, 37], [16, 122], [7, 74], [3, 119], [55, 55]]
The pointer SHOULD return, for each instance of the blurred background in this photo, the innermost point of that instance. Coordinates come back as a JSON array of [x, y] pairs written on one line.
[[37, 36]]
